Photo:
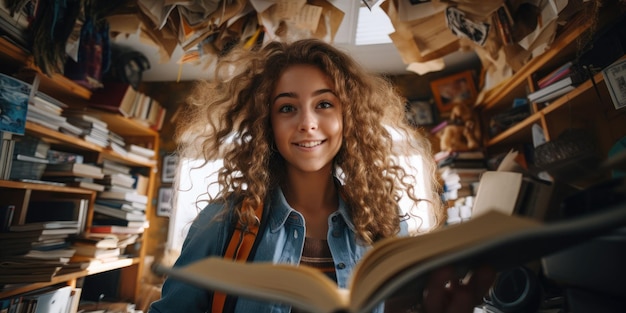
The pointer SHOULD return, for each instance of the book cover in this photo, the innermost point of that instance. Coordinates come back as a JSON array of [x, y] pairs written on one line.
[[56, 300], [115, 97], [494, 238], [14, 95]]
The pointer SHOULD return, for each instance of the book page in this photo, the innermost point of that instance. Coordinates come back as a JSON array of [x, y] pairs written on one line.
[[312, 291], [392, 256]]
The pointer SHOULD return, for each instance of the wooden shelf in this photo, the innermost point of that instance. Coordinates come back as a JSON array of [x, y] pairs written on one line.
[[55, 137], [70, 277], [124, 126], [44, 187], [522, 129], [13, 53], [20, 63], [504, 93]]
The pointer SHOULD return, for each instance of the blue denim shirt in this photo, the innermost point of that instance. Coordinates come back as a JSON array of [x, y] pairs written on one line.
[[282, 242]]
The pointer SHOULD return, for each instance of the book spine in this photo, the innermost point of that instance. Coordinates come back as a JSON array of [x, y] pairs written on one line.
[[552, 74], [504, 27], [558, 76]]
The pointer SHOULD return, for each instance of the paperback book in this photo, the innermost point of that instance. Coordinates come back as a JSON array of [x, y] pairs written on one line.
[[493, 238]]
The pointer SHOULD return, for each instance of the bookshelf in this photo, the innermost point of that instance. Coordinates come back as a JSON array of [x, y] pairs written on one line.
[[14, 60], [588, 106]]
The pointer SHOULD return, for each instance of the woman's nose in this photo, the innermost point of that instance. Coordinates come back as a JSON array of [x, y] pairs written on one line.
[[308, 121]]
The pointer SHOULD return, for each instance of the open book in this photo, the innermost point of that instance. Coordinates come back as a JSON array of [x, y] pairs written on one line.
[[493, 238]]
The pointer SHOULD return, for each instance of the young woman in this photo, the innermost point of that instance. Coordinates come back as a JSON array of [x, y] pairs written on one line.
[[308, 134]]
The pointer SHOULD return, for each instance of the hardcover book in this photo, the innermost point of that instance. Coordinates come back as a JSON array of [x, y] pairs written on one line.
[[115, 97]]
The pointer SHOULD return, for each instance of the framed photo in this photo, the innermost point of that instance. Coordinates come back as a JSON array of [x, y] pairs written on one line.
[[164, 207], [420, 112], [457, 88], [170, 166], [615, 78]]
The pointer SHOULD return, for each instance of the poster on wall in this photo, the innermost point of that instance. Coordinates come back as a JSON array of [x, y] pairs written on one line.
[[169, 168], [164, 207], [420, 112], [615, 78]]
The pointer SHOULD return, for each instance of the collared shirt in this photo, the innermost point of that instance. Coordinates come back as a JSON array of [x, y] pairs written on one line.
[[282, 242]]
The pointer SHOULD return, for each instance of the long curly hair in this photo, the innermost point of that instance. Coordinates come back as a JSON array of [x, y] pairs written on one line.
[[228, 117]]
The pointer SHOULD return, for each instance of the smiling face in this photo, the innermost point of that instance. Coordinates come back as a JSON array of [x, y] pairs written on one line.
[[306, 119]]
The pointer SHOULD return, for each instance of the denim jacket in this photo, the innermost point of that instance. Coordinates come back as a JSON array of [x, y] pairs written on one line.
[[282, 242]]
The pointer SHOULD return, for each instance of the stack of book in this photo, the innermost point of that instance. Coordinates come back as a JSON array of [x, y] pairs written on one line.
[[29, 158], [558, 82], [95, 247], [19, 270], [121, 207], [35, 233], [81, 175], [122, 182], [460, 173], [141, 154], [93, 129], [47, 111], [117, 143], [45, 232]]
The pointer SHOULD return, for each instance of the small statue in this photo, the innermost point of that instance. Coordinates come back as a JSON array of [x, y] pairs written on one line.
[[463, 130]]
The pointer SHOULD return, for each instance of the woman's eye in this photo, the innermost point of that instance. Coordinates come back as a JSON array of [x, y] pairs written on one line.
[[286, 109], [324, 105]]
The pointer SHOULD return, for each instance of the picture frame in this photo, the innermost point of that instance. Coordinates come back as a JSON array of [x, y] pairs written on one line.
[[165, 205], [169, 168], [421, 112], [454, 89]]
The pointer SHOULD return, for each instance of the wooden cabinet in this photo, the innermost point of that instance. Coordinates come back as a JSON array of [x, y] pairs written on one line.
[[587, 107], [20, 193]]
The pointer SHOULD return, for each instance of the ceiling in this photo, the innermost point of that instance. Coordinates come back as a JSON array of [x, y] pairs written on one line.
[[376, 58], [369, 56]]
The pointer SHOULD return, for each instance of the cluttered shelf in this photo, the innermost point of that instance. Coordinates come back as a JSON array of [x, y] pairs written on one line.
[[70, 277], [125, 126], [58, 137], [54, 84], [566, 45], [68, 140], [577, 97]]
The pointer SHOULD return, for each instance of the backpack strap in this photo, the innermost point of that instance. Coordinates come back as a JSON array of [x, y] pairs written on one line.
[[241, 248]]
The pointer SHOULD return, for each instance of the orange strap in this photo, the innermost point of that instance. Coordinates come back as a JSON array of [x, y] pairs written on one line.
[[238, 249]]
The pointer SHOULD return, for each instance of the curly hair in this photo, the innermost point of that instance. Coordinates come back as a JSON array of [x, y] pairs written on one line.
[[229, 117]]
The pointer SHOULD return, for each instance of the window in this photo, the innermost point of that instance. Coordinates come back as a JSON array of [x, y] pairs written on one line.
[[193, 181], [373, 27]]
